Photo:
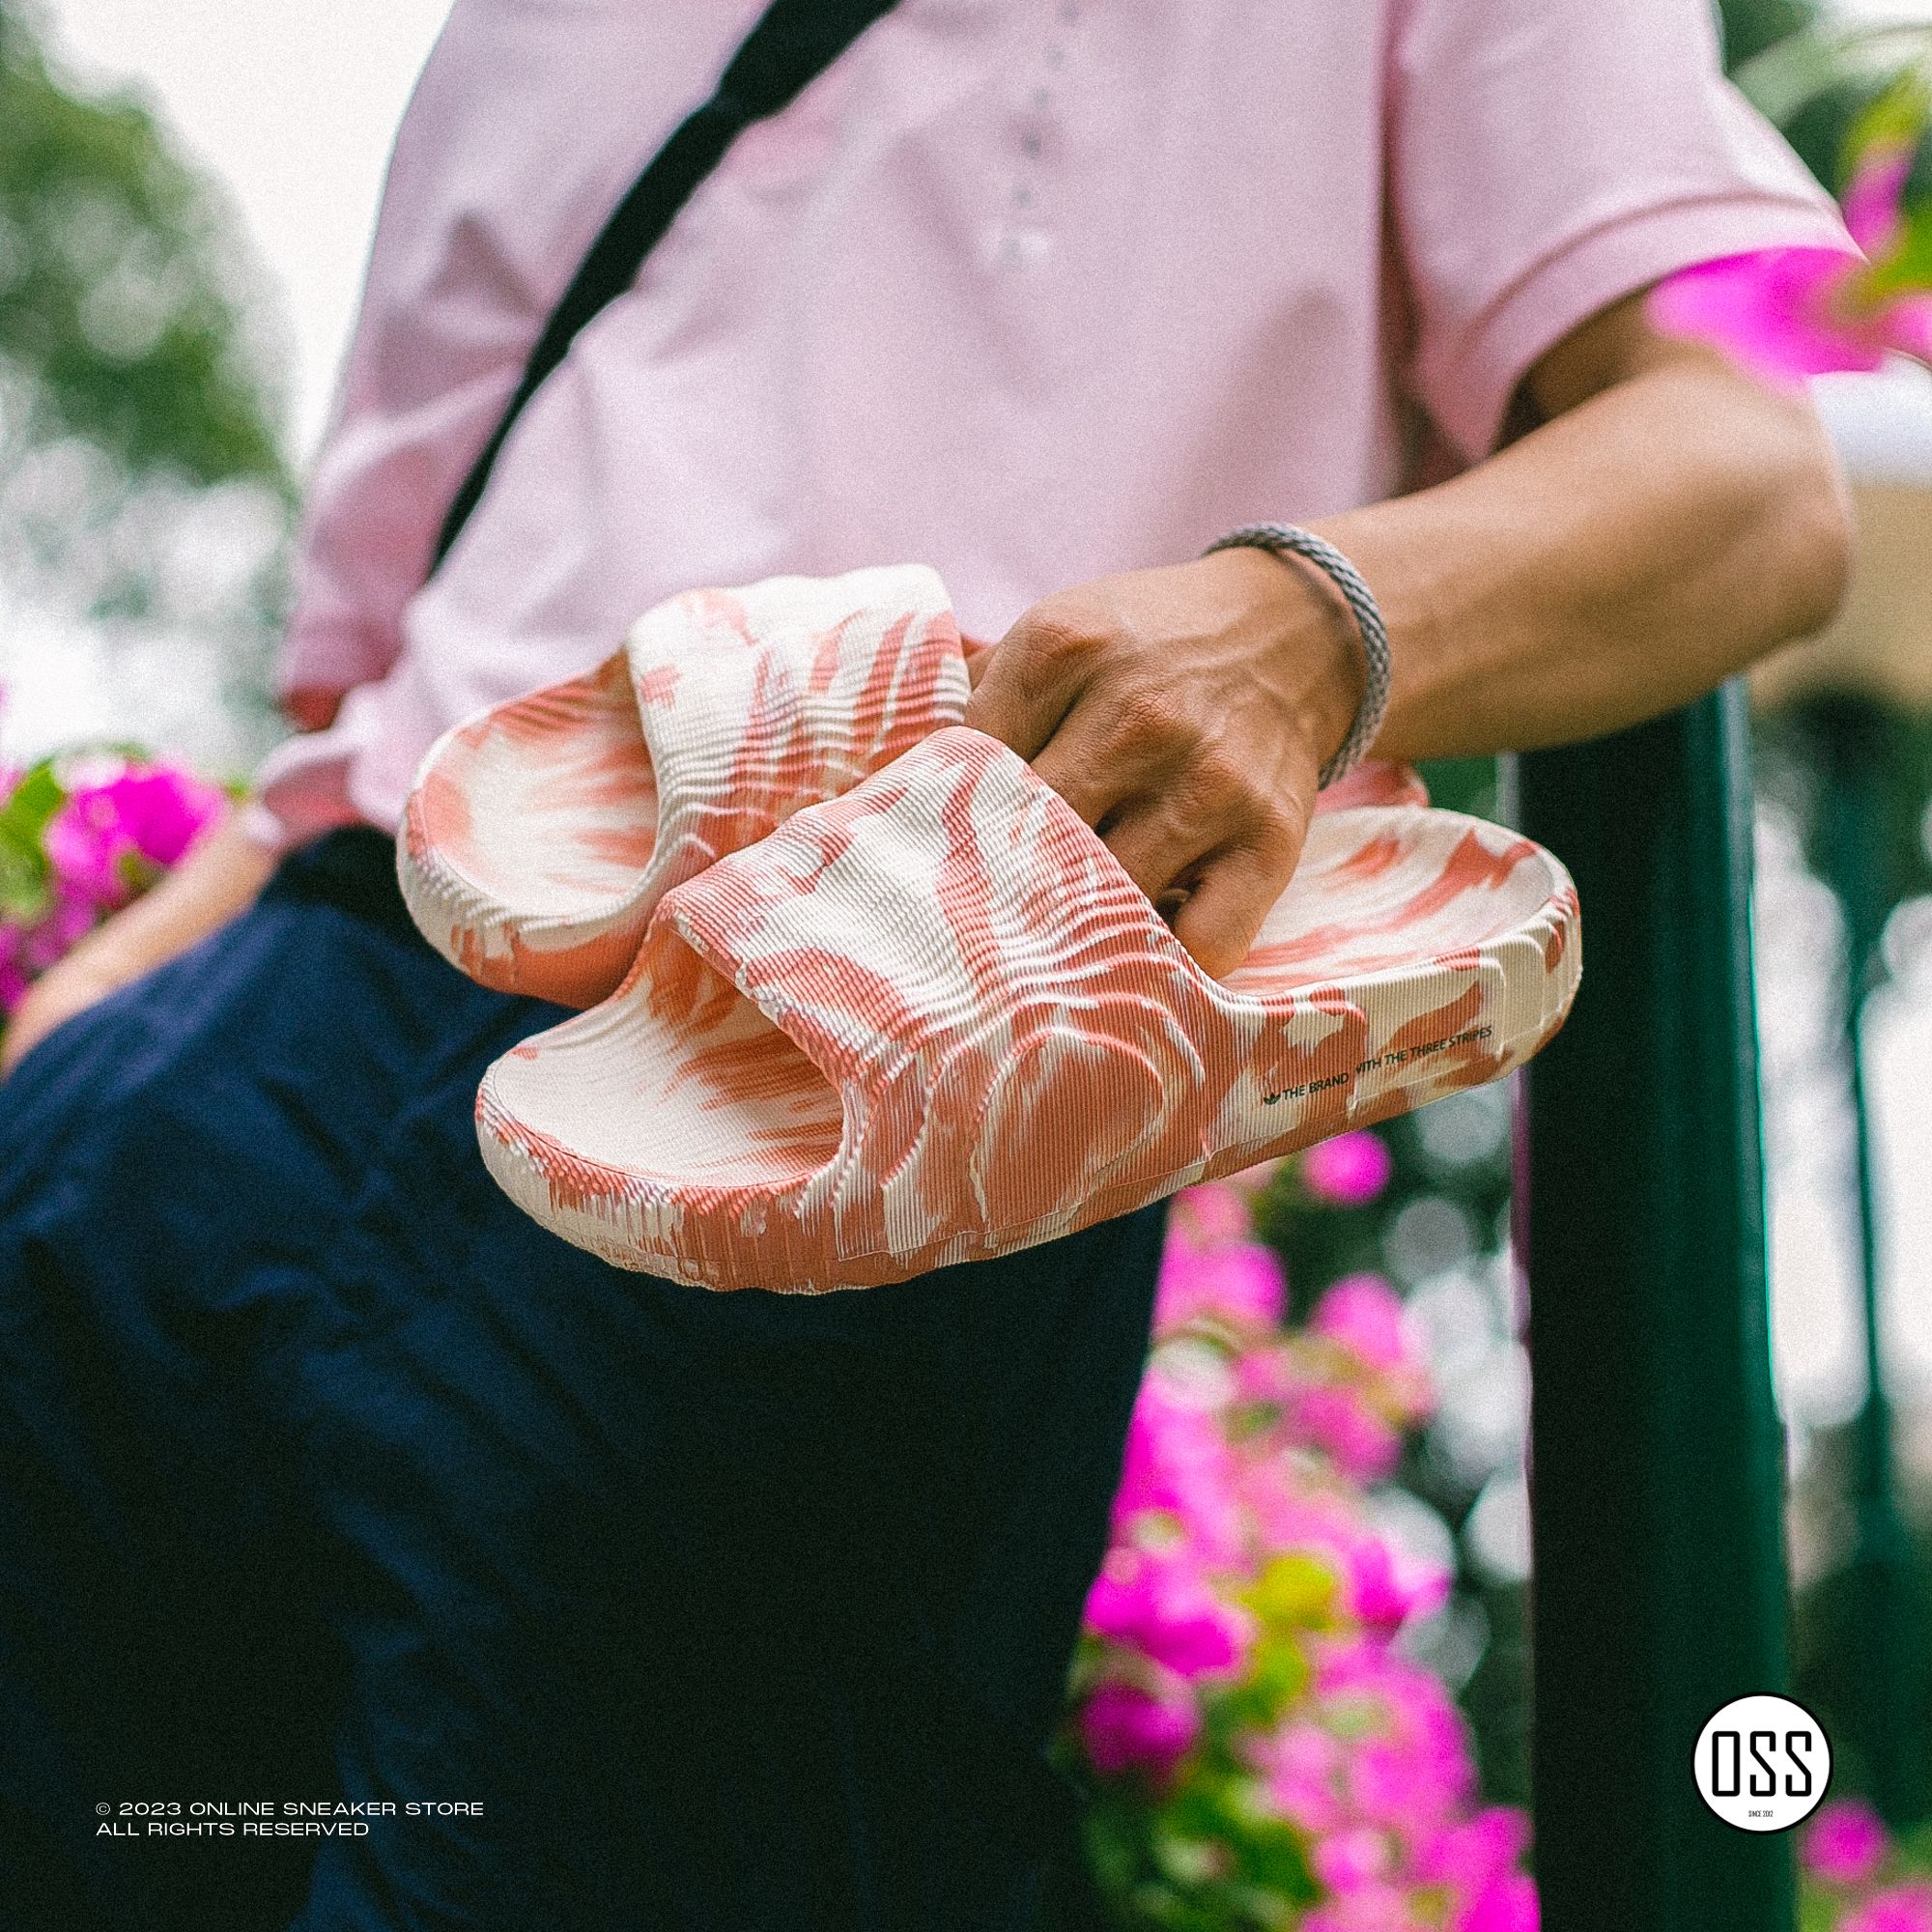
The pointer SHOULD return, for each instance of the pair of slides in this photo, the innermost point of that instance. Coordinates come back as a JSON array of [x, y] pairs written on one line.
[[865, 998]]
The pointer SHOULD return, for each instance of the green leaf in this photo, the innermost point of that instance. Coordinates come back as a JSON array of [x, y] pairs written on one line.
[[1909, 265], [1816, 1912], [1786, 78], [35, 799], [1276, 1679], [1295, 1592], [1896, 119], [1272, 1856]]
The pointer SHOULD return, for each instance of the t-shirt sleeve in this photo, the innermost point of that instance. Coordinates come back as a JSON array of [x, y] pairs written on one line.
[[1551, 157]]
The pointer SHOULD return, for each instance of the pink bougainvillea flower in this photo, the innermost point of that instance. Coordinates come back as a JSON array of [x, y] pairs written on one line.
[[1408, 1765], [164, 810], [1127, 1728], [1508, 1903], [1873, 201], [1352, 1859], [1789, 313], [1164, 1607], [1394, 1783], [1301, 1766], [1470, 1855], [66, 921], [1181, 1465], [1339, 1421], [83, 851], [1292, 1513], [110, 836], [1349, 1171], [1273, 1376], [1239, 1283], [1380, 1908], [13, 979], [1245, 1561], [1904, 1908], [1845, 1843], [1203, 1216], [1363, 1312], [1387, 1589]]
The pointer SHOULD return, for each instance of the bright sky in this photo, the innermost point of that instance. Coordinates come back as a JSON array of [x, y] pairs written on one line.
[[293, 107]]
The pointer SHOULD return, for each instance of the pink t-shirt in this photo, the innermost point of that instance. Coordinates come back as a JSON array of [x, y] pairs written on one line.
[[1028, 290]]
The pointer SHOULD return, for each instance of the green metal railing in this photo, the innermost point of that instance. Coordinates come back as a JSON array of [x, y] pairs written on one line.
[[1657, 1461]]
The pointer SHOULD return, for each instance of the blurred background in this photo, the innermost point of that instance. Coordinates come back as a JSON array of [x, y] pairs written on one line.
[[186, 194]]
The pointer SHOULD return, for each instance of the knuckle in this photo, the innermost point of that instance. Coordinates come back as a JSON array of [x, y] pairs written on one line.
[[1143, 726], [1277, 830], [1223, 781], [1058, 640]]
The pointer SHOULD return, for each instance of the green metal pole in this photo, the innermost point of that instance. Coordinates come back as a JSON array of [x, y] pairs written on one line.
[[1880, 1637], [1656, 1458]]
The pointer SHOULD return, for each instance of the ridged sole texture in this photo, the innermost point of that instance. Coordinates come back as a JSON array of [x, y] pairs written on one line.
[[931, 1020]]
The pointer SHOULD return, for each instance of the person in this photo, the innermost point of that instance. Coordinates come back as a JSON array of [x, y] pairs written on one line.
[[328, 1476]]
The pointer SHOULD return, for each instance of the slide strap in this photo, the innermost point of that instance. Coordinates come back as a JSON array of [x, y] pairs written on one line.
[[755, 702]]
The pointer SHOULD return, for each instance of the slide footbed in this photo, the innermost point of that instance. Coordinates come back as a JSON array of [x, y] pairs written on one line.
[[934, 1021]]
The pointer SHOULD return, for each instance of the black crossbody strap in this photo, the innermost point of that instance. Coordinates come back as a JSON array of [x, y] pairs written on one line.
[[794, 42]]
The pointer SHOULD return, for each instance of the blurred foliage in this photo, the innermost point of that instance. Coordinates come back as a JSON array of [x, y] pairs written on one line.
[[1830, 1662], [1882, 760], [1822, 81], [1815, 76], [1751, 26], [1780, 53], [144, 493], [116, 311]]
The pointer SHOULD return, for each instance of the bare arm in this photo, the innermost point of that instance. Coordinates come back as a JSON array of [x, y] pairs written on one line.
[[1672, 520], [1669, 521], [217, 880]]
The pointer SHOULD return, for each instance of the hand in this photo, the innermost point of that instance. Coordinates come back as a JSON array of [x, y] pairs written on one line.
[[78, 981], [1185, 714], [218, 879]]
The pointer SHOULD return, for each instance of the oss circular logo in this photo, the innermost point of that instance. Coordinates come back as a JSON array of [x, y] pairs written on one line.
[[1762, 1764]]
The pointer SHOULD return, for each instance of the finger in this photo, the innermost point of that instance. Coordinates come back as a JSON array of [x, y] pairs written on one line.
[[978, 655], [1161, 848], [1102, 766], [1232, 893], [1116, 749], [1028, 683]]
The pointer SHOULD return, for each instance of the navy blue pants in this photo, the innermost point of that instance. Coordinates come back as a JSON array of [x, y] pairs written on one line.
[[326, 1475]]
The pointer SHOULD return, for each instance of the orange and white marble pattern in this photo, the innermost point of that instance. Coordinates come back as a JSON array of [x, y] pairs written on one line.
[[540, 835], [931, 1020]]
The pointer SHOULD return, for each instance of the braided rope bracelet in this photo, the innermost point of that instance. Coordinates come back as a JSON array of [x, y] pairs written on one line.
[[1293, 540]]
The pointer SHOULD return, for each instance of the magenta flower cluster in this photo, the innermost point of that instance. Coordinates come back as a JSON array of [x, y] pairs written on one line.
[[1264, 1745], [80, 838], [1857, 1879], [1789, 313]]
